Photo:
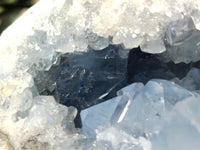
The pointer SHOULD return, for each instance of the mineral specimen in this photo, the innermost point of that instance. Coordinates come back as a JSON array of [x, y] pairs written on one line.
[[163, 115], [161, 112]]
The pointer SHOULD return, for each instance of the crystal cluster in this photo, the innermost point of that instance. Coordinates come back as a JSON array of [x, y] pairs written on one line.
[[160, 115]]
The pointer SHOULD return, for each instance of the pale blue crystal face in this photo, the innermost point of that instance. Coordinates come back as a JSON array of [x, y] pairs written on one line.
[[109, 112], [182, 41], [158, 116], [146, 111], [181, 128], [149, 112], [101, 113], [180, 30]]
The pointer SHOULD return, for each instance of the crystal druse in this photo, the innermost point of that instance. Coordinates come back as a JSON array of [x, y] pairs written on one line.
[[92, 48]]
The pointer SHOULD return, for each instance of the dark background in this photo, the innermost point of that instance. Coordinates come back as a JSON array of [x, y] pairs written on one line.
[[10, 10]]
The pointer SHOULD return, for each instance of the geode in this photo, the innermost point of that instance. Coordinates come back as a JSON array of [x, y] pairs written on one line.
[[157, 115]]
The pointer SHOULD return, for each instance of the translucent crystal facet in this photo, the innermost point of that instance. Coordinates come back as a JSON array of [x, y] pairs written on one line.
[[160, 115]]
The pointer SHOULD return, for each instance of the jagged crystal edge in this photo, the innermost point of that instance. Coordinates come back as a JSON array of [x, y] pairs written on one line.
[[32, 43], [149, 117]]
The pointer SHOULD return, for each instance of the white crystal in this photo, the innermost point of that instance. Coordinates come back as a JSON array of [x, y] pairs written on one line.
[[34, 41], [153, 46]]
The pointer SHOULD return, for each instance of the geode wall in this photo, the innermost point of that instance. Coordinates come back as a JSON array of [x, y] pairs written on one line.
[[53, 28]]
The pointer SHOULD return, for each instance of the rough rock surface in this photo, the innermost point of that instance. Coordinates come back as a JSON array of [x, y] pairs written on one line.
[[37, 39]]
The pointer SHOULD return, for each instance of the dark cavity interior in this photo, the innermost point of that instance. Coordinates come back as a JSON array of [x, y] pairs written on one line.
[[85, 79]]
